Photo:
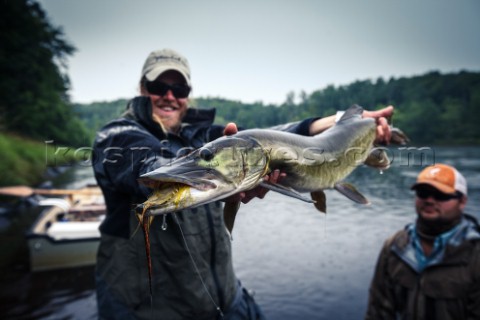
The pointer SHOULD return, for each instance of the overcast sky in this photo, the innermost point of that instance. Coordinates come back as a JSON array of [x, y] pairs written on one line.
[[259, 50]]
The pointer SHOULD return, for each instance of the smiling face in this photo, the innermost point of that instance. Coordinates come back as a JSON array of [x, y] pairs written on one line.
[[168, 109]]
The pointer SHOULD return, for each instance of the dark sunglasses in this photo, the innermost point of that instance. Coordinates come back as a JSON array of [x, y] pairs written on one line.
[[439, 196], [161, 89]]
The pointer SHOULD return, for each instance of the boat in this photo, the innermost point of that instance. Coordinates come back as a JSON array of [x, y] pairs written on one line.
[[66, 233]]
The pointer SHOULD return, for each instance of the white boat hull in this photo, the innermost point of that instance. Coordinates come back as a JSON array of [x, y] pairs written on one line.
[[66, 233], [49, 254]]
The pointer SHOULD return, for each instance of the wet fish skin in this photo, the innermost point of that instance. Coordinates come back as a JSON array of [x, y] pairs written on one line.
[[236, 163]]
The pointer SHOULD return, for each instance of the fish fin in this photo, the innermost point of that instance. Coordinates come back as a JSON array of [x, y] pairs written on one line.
[[378, 158], [354, 111], [398, 136], [285, 191], [349, 191], [229, 213], [320, 200]]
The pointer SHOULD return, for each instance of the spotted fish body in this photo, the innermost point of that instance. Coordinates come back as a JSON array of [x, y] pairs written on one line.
[[239, 162]]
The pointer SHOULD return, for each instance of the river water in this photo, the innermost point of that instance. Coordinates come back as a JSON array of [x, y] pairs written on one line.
[[301, 264]]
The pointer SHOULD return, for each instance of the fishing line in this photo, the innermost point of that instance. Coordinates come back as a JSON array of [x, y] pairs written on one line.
[[325, 227], [196, 267]]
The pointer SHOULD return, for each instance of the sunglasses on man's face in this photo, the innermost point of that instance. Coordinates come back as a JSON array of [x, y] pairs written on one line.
[[161, 89], [439, 196]]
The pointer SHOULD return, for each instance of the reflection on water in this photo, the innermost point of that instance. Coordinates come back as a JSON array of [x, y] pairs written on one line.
[[62, 294], [305, 265], [300, 263]]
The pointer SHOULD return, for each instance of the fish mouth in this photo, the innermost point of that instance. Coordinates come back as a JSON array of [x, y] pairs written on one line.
[[177, 186], [201, 180]]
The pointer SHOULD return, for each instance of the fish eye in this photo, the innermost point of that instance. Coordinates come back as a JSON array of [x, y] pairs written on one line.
[[206, 154]]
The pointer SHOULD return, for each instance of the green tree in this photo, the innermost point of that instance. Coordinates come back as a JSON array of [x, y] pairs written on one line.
[[432, 108], [34, 82]]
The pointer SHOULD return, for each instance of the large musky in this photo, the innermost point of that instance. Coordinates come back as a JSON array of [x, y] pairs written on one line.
[[260, 50]]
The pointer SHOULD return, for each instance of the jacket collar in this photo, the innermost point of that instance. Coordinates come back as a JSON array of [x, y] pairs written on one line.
[[456, 251]]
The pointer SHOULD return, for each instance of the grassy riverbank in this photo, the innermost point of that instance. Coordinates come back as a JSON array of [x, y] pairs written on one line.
[[25, 161]]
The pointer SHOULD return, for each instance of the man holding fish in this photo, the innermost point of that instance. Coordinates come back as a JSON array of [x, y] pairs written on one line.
[[189, 274]]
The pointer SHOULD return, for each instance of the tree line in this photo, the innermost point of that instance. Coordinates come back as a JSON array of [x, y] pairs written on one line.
[[431, 108], [34, 82]]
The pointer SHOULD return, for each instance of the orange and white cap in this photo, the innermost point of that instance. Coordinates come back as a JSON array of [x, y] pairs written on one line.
[[443, 177]]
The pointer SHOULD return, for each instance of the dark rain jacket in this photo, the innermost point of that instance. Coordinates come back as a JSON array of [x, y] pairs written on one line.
[[123, 150], [448, 288]]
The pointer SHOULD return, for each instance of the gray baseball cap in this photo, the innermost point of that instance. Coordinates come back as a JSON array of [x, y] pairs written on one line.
[[160, 61]]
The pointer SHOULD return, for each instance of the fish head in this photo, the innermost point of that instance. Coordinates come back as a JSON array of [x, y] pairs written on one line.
[[215, 171]]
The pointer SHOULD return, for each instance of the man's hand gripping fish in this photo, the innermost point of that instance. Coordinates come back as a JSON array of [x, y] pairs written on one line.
[[239, 162]]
